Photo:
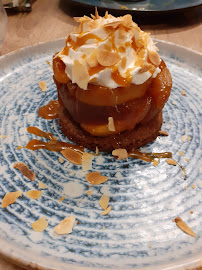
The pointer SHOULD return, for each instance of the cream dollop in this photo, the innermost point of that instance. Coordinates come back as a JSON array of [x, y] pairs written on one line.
[[110, 52]]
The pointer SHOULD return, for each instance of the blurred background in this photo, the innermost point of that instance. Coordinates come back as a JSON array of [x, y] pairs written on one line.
[[29, 22]]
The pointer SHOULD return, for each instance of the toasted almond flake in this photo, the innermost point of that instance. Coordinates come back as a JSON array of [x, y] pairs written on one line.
[[193, 186], [19, 147], [80, 74], [92, 59], [62, 198], [107, 58], [181, 153], [33, 194], [183, 226], [171, 162], [87, 161], [150, 245], [43, 86], [42, 185], [183, 93], [146, 67], [189, 138], [185, 187], [187, 159], [103, 227], [124, 7], [106, 211], [155, 163], [184, 138], [191, 212], [120, 153], [10, 198], [95, 178], [111, 126], [162, 132], [173, 102], [40, 225], [24, 169], [72, 155], [3, 136], [104, 201], [89, 192], [106, 15], [72, 173], [65, 226], [154, 58], [96, 13], [96, 151], [128, 20], [61, 160], [48, 62], [113, 24]]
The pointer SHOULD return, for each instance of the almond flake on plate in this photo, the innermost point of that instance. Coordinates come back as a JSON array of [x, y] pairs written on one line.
[[183, 226], [96, 151], [155, 162], [104, 201], [184, 138], [162, 132], [65, 226], [181, 153], [171, 162], [42, 185], [87, 161], [40, 225], [3, 136], [61, 199], [24, 169], [72, 155], [10, 198], [61, 160], [43, 86], [183, 93], [95, 178], [187, 159], [106, 211], [111, 126], [120, 153], [193, 186], [33, 194], [89, 192]]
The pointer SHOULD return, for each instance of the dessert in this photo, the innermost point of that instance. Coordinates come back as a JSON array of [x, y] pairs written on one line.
[[112, 84]]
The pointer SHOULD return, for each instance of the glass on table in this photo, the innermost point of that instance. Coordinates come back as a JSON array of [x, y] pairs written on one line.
[[3, 23]]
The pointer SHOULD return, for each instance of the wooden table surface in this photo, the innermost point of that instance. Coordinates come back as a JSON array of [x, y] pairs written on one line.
[[49, 21]]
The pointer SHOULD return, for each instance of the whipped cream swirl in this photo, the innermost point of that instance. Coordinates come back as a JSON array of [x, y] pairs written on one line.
[[110, 52]]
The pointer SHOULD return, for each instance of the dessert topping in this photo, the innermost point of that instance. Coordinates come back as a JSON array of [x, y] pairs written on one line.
[[24, 169], [10, 198], [65, 226], [108, 44], [183, 226], [40, 225]]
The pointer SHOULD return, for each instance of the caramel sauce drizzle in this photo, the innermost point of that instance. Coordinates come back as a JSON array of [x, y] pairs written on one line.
[[96, 69], [52, 145], [82, 40], [148, 157], [49, 111], [125, 82], [38, 132]]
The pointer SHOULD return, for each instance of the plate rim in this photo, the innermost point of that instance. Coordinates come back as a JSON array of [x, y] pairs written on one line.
[[146, 11], [7, 250]]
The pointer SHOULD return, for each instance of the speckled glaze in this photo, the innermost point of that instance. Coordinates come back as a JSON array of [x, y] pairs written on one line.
[[139, 5], [144, 199]]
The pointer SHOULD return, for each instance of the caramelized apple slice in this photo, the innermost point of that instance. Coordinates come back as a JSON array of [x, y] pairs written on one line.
[[103, 96], [59, 70]]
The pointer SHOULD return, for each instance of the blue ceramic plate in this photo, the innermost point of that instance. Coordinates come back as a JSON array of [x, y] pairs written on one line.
[[138, 233], [142, 5]]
